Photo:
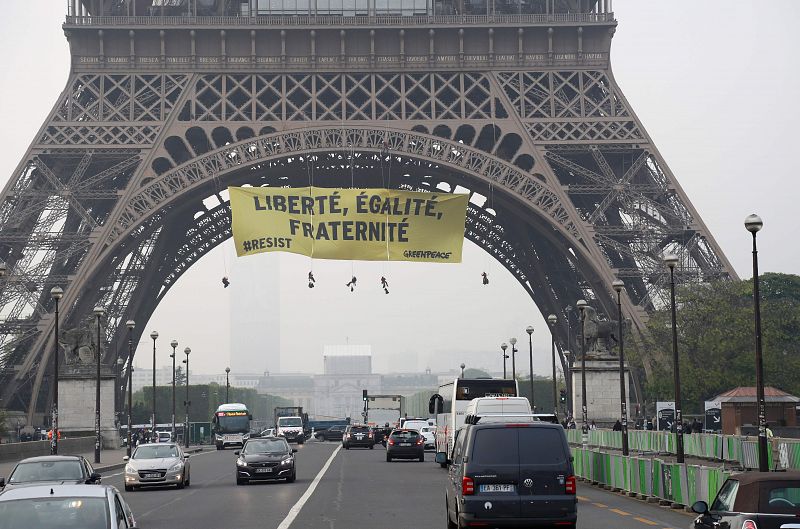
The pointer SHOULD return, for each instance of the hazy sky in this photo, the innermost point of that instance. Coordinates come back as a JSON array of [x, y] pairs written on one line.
[[712, 81]]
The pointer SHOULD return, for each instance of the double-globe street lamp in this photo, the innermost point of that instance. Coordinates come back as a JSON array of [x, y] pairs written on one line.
[[753, 223], [529, 330], [671, 260], [618, 287], [187, 431], [504, 346], [551, 321], [56, 293], [513, 342], [98, 312], [581, 304], [174, 344], [130, 324], [154, 336]]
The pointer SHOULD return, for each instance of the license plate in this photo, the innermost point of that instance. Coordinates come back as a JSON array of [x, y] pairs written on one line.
[[232, 438], [263, 470], [405, 444], [496, 487], [151, 476], [359, 437]]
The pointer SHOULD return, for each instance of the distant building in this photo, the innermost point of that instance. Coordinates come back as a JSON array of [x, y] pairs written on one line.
[[347, 359], [740, 408]]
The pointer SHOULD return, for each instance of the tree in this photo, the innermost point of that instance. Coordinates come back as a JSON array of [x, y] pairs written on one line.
[[716, 340], [3, 425], [180, 376], [471, 372]]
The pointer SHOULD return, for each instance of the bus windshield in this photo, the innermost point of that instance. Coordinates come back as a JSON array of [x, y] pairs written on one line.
[[473, 389], [233, 421]]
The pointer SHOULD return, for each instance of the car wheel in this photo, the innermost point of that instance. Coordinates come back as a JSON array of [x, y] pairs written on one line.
[[188, 479], [371, 447], [240, 481], [128, 488], [450, 524], [388, 458], [181, 485], [422, 457], [292, 478]]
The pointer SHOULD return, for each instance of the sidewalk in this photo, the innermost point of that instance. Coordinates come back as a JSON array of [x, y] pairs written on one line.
[[109, 460]]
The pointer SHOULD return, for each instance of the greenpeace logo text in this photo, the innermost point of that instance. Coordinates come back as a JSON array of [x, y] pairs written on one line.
[[427, 254]]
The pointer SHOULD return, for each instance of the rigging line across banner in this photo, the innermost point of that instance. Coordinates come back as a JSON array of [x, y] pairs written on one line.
[[349, 224]]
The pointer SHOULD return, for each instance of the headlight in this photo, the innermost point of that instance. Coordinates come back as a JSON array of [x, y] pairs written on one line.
[[287, 460], [218, 437], [129, 469], [241, 463], [176, 467], [246, 436]]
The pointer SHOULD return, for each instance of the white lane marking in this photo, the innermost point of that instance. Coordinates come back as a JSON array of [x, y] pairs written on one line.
[[295, 510]]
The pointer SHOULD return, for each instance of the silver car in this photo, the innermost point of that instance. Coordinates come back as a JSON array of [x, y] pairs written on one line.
[[156, 464], [65, 507]]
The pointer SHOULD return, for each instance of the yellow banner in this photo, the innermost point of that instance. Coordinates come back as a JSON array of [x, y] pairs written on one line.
[[359, 224]]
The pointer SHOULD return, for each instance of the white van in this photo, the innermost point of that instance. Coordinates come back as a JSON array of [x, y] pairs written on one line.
[[494, 406]]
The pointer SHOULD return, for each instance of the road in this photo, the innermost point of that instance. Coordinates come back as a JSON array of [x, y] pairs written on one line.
[[344, 489]]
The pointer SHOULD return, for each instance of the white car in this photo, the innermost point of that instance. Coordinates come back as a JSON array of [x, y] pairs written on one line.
[[429, 434], [157, 464]]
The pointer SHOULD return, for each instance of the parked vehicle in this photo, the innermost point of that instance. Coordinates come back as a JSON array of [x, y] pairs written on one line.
[[267, 458], [65, 506], [56, 469], [157, 464], [753, 500], [405, 444], [523, 470], [358, 435], [334, 433]]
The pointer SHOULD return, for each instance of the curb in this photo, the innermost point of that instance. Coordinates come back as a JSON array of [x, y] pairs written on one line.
[[117, 466]]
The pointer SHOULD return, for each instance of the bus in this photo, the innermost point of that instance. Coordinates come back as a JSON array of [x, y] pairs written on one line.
[[450, 404], [231, 425]]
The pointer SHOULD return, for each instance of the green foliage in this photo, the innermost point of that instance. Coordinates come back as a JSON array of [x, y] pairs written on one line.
[[471, 372], [542, 393], [3, 425], [716, 339]]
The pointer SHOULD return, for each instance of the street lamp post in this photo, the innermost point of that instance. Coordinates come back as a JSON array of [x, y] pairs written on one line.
[[529, 330], [513, 342], [187, 431], [227, 385], [98, 311], [618, 286], [56, 293], [570, 358], [462, 369], [581, 304], [671, 260], [130, 324], [174, 344], [551, 320], [504, 346], [753, 223], [154, 336]]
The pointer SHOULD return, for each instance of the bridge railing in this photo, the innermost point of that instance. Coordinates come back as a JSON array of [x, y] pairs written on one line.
[[337, 21]]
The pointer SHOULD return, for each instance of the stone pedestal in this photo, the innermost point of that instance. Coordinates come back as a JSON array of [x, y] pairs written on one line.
[[76, 402], [602, 390]]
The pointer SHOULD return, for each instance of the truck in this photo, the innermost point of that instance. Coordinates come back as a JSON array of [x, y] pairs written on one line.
[[291, 423], [385, 409]]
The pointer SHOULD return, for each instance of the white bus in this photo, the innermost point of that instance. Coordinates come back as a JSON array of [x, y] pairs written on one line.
[[450, 404]]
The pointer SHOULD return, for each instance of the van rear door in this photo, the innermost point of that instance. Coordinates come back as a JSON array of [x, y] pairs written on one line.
[[494, 468], [544, 467]]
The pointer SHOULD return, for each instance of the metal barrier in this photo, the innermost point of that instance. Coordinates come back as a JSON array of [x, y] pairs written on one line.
[[17, 451]]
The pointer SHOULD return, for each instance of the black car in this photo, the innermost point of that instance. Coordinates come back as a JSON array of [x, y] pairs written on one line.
[[510, 475], [356, 436], [763, 500], [265, 458], [405, 444], [51, 469], [334, 433]]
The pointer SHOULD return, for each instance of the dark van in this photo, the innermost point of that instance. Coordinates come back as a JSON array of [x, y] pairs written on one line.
[[511, 475]]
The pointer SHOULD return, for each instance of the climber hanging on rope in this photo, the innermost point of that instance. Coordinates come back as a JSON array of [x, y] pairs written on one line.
[[352, 283], [311, 280], [384, 285], [485, 277], [225, 282]]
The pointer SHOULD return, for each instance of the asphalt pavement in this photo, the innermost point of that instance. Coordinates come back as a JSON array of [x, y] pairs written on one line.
[[345, 489]]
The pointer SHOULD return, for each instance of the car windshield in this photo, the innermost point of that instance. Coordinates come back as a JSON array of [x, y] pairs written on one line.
[[55, 513], [266, 446], [360, 429], [47, 471], [290, 421], [408, 434], [155, 452]]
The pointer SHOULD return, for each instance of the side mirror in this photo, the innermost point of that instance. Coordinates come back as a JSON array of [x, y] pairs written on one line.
[[294, 450], [186, 456], [700, 507], [125, 458], [236, 453], [571, 459], [441, 458]]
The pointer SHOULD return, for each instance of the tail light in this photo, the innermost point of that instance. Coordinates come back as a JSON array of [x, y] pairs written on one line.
[[749, 524], [467, 486], [370, 435], [420, 440], [391, 442], [570, 487]]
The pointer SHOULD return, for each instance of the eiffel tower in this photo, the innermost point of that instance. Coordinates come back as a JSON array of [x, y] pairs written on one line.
[[170, 101]]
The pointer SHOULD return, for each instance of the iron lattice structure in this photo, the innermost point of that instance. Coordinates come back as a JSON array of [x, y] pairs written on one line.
[[122, 190]]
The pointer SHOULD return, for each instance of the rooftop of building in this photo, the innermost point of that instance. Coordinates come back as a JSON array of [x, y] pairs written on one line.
[[749, 394]]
